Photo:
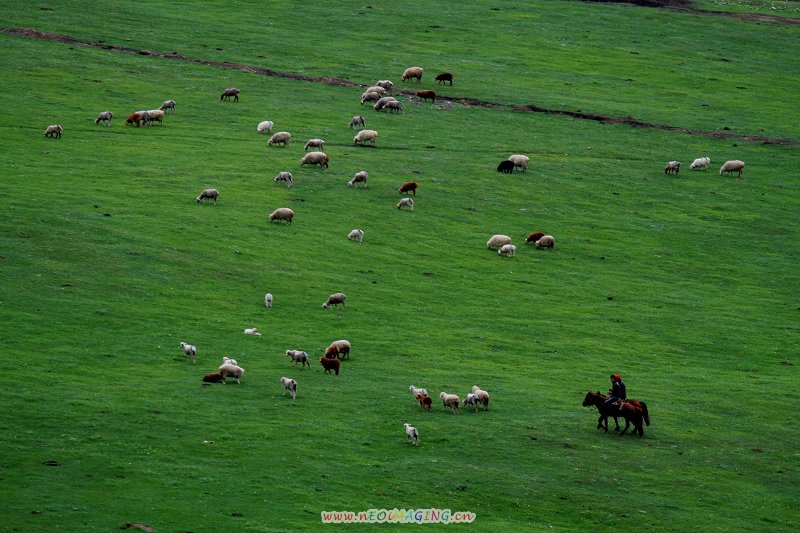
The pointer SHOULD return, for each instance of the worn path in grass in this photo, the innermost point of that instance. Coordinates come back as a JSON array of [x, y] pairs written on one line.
[[629, 121]]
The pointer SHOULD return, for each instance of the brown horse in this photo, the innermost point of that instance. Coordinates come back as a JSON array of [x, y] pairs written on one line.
[[632, 411]]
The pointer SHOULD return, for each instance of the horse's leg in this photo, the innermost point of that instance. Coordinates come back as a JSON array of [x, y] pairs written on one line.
[[616, 423], [627, 425], [600, 423]]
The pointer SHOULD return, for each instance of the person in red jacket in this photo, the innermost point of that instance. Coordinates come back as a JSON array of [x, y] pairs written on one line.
[[617, 393]]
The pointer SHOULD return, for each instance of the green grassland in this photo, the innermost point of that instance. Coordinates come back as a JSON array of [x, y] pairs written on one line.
[[687, 285]]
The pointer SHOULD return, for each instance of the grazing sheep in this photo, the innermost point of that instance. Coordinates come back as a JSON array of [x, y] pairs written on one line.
[[282, 213], [406, 202], [227, 93], [444, 77], [208, 194], [233, 371], [427, 95], [450, 400], [533, 237], [356, 121], [375, 89], [154, 115], [413, 72], [335, 299], [700, 163], [416, 392], [106, 117], [229, 361], [366, 136], [330, 364], [168, 104], [313, 143], [284, 176], [290, 385], [264, 126], [299, 355], [268, 299], [412, 434], [315, 158], [386, 84], [520, 161], [506, 166], [145, 116], [732, 166], [394, 106], [496, 241], [134, 118], [382, 102], [471, 399], [407, 187], [673, 167], [282, 137], [507, 250], [216, 377], [53, 130], [425, 401], [252, 331], [483, 396], [359, 177], [338, 349], [371, 96], [547, 242], [356, 235], [189, 351]]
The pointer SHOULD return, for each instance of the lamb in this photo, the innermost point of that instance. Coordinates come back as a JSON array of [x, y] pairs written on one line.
[[375, 89], [450, 400], [427, 95], [407, 187], [313, 143], [53, 130], [700, 163], [229, 361], [268, 299], [366, 136], [520, 161], [216, 377], [416, 392], [338, 349], [299, 355], [413, 72], [356, 121], [546, 243], [134, 118], [673, 167], [284, 176], [208, 194], [495, 242], [356, 235], [282, 213], [383, 101], [106, 117], [168, 104], [483, 396], [370, 97], [227, 93], [412, 434], [316, 158], [290, 385], [406, 202], [335, 299], [533, 237], [359, 177], [444, 77], [506, 166], [233, 371], [394, 106], [264, 126], [386, 84], [732, 166], [507, 250], [425, 401], [330, 364], [472, 399], [189, 350], [252, 331], [282, 137]]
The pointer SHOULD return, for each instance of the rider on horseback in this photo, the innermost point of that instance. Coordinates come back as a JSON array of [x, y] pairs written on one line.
[[617, 394]]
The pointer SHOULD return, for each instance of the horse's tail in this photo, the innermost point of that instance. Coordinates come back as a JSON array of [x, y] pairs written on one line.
[[644, 413]]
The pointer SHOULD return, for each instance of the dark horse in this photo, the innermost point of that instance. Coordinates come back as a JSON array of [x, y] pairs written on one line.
[[633, 411]]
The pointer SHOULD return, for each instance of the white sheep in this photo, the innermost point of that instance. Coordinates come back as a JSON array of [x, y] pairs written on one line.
[[483, 396], [383, 101], [284, 176], [154, 115], [507, 250], [520, 161], [168, 104], [229, 361], [386, 84], [290, 385], [268, 299], [316, 158], [365, 136], [732, 166], [335, 300], [495, 242], [314, 143], [700, 163], [338, 349], [356, 235], [412, 434], [282, 213], [282, 137], [413, 72], [673, 167], [208, 194], [234, 371], [189, 351], [450, 400], [547, 242], [360, 177], [394, 106], [299, 355], [375, 89], [414, 391], [265, 126], [370, 97], [471, 399], [406, 202], [53, 130], [106, 117], [252, 331], [356, 121]]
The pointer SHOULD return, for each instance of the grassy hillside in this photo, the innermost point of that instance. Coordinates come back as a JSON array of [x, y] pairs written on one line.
[[687, 285]]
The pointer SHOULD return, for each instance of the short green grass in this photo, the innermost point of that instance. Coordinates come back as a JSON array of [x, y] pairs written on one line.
[[686, 285]]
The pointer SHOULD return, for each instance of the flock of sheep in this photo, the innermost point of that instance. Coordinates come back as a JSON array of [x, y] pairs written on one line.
[[701, 163]]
